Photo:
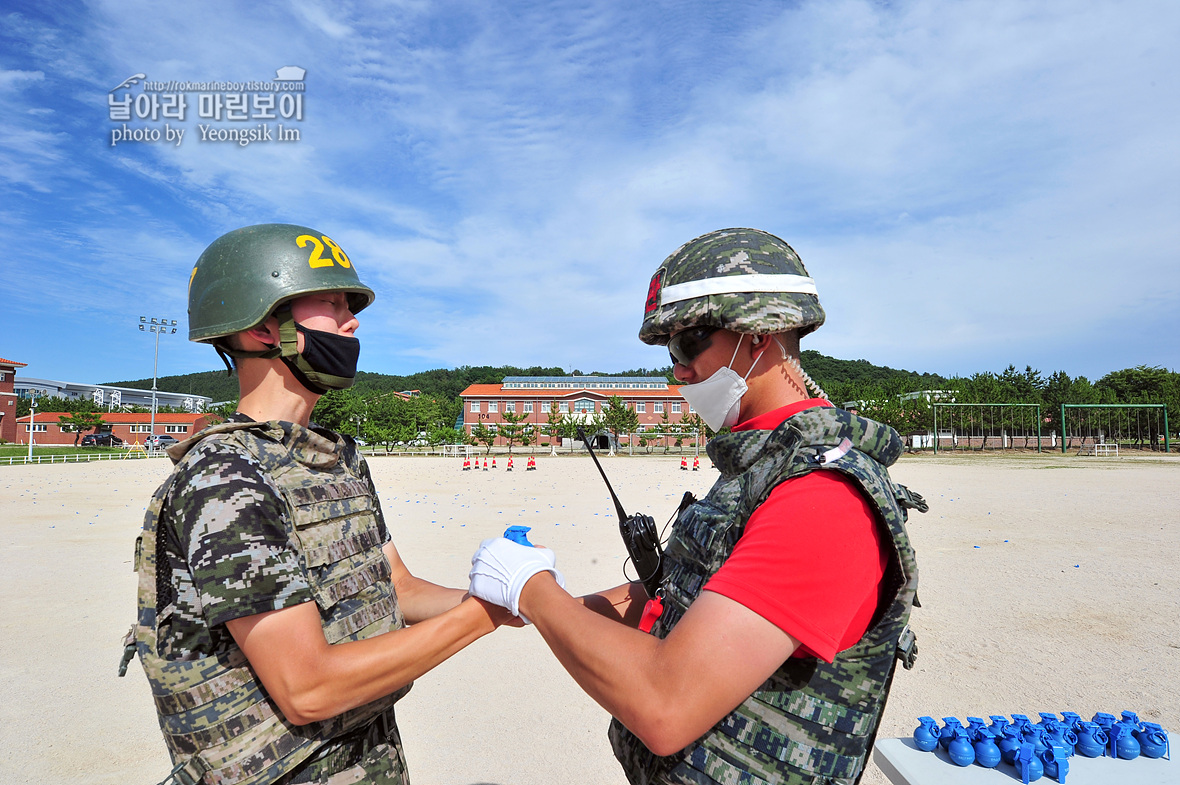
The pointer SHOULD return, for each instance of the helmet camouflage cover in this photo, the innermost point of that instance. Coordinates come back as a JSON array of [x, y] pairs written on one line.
[[243, 275], [743, 280]]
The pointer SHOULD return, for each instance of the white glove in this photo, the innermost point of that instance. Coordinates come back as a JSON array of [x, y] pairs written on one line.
[[501, 568]]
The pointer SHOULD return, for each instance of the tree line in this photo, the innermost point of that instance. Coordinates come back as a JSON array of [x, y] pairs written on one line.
[[372, 410]]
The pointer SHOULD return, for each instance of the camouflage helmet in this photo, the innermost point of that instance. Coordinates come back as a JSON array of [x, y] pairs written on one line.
[[743, 280], [243, 275]]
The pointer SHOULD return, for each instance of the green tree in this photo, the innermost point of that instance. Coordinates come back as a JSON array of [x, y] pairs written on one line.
[[552, 427], [511, 429], [484, 435], [569, 430], [225, 409], [79, 423], [619, 418], [696, 424]]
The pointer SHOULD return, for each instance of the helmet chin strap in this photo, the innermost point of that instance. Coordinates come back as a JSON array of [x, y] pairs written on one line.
[[316, 380]]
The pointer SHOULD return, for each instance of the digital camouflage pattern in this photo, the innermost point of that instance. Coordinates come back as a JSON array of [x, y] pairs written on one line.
[[219, 724], [730, 252], [811, 721]]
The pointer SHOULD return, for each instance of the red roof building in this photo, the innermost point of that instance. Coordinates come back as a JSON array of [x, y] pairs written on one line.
[[132, 427], [8, 399], [652, 398]]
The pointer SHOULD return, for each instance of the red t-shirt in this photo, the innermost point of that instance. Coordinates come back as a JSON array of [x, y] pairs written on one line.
[[811, 558]]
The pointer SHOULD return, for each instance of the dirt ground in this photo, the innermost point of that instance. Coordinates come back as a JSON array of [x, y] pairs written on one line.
[[1048, 583]]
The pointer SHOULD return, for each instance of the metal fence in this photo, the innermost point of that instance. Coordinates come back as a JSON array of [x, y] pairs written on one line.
[[12, 460]]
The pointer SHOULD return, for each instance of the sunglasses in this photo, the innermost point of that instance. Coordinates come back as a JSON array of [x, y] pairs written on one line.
[[687, 345]]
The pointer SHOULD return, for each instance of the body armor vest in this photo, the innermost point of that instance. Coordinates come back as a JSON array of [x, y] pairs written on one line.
[[220, 725], [811, 721]]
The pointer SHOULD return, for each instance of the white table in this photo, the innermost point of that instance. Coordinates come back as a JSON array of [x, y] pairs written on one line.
[[905, 764]]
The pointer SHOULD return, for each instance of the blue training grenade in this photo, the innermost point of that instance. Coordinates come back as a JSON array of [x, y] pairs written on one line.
[[1153, 741], [926, 734]]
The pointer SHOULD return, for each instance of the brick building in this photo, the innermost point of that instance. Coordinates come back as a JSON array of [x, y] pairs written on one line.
[[131, 427], [650, 397], [8, 399]]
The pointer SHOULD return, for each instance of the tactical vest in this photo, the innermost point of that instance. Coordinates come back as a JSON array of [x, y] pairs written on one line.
[[811, 721], [220, 725]]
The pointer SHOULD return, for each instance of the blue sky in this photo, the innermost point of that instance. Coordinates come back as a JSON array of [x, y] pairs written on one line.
[[971, 184]]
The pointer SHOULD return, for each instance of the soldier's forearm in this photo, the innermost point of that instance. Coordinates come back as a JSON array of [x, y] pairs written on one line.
[[420, 599]]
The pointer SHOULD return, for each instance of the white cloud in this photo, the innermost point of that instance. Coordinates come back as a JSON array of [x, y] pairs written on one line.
[[968, 175]]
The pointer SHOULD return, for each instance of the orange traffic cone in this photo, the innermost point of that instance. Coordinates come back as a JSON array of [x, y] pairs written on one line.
[[696, 463], [509, 466], [684, 464], [493, 463], [532, 464], [485, 464]]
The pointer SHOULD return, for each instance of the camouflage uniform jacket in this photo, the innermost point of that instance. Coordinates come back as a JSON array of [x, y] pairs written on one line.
[[811, 721], [220, 725]]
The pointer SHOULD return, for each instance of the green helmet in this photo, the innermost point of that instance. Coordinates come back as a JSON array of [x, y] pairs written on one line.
[[743, 280], [242, 276]]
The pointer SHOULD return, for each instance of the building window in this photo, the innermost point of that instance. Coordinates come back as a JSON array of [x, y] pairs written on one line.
[[175, 429], [583, 406], [528, 407], [640, 408], [563, 407], [658, 408], [493, 407], [141, 429], [510, 407], [475, 406], [38, 427], [675, 408], [493, 427]]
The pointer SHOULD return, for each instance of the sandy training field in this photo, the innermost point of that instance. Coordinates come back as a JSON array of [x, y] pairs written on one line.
[[1048, 583]]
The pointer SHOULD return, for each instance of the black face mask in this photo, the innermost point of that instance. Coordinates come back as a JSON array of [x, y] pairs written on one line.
[[327, 362]]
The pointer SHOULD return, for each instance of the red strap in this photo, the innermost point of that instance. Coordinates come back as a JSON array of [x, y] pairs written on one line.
[[651, 611]]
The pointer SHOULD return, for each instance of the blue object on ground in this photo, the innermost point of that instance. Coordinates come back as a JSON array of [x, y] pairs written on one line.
[[518, 534]]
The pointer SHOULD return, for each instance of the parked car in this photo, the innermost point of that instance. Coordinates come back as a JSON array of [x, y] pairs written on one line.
[[159, 441], [103, 439]]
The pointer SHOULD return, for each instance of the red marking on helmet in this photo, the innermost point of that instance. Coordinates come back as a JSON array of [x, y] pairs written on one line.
[[653, 292]]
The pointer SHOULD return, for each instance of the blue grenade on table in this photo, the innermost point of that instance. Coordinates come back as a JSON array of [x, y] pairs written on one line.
[[1058, 733], [926, 734], [1092, 740], [1028, 764], [999, 722], [960, 749], [1037, 736], [1009, 744], [947, 732], [1056, 762], [987, 754], [1153, 740], [1123, 743]]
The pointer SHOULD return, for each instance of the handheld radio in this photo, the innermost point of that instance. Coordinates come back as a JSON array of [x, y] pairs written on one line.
[[639, 535]]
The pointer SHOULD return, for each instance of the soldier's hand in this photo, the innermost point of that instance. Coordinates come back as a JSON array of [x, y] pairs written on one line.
[[501, 568]]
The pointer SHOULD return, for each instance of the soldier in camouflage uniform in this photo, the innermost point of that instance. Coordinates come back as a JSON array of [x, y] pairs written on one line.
[[272, 603], [785, 591]]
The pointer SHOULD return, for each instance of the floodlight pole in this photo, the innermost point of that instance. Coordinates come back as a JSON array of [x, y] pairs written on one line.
[[32, 417], [157, 327]]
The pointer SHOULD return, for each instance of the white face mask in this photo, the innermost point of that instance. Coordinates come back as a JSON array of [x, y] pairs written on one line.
[[718, 399]]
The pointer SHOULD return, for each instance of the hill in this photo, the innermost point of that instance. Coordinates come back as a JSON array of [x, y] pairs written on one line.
[[447, 383]]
